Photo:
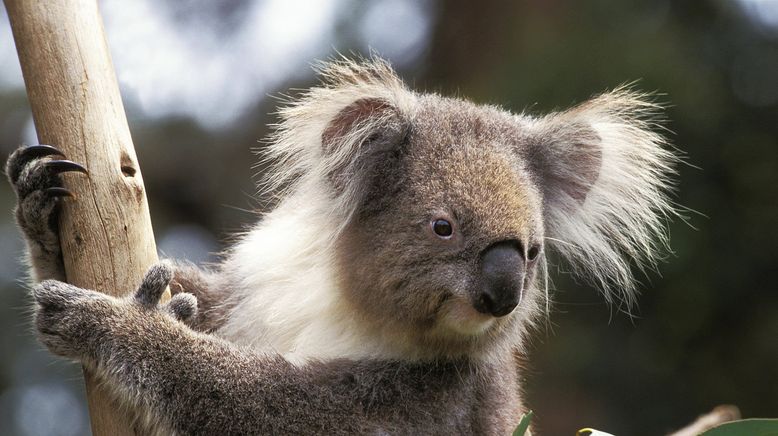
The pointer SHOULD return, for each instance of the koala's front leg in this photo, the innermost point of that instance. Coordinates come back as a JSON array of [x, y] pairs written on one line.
[[91, 326], [162, 369], [178, 380], [34, 173], [185, 382]]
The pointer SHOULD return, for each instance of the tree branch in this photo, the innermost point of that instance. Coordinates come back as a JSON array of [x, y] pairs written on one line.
[[106, 235]]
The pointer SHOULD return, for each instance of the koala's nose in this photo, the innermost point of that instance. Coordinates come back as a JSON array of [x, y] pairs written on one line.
[[502, 279]]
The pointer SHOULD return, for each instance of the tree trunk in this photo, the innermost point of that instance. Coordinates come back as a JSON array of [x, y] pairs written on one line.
[[105, 232]]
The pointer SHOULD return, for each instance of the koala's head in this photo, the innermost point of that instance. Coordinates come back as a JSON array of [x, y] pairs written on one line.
[[446, 209]]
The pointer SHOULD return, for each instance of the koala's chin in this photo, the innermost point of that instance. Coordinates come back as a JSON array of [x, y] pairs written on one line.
[[459, 317]]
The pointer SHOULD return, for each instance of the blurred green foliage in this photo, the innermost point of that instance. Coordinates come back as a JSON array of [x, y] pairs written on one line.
[[746, 427]]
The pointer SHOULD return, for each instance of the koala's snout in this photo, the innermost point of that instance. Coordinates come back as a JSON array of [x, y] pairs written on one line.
[[502, 279]]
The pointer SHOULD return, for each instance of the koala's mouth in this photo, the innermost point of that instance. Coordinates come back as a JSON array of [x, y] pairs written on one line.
[[458, 315]]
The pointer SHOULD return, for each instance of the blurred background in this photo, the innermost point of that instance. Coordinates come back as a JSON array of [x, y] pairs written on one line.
[[199, 78]]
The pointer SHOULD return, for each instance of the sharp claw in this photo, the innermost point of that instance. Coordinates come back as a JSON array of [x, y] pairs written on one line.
[[61, 166], [29, 153], [59, 192], [36, 151]]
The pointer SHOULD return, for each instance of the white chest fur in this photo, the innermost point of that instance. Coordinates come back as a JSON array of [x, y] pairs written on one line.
[[290, 301]]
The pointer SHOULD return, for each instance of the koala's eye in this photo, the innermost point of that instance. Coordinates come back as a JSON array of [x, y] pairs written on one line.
[[442, 228]]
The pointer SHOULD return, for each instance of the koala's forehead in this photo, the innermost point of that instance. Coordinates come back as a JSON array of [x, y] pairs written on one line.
[[448, 121], [454, 139], [464, 156]]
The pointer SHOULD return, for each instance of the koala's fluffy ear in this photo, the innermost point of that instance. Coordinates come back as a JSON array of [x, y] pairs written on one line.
[[364, 134], [605, 174], [336, 131]]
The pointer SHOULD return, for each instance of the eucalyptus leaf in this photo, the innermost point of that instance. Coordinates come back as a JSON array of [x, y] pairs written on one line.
[[521, 429], [745, 427]]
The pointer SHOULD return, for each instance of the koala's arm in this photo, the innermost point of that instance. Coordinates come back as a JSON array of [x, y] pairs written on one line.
[[190, 383], [34, 173]]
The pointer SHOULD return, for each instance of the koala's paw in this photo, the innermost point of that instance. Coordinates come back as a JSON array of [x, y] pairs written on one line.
[[34, 172], [89, 326], [69, 319], [183, 306]]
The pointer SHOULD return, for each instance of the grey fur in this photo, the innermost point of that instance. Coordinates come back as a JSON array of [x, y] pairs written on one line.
[[191, 383], [380, 163]]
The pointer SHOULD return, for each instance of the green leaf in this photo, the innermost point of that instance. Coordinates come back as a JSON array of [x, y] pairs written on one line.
[[745, 427], [521, 429]]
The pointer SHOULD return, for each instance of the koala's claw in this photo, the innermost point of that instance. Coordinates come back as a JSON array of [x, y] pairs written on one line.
[[41, 150], [61, 166], [24, 155], [31, 169], [34, 172], [59, 192]]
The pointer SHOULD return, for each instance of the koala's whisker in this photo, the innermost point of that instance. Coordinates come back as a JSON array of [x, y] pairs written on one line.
[[561, 241]]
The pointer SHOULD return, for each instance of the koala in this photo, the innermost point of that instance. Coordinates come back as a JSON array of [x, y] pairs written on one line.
[[393, 287]]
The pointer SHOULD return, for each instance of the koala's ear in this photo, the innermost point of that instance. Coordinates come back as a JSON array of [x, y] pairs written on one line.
[[335, 131], [365, 114], [605, 174], [566, 154], [364, 133]]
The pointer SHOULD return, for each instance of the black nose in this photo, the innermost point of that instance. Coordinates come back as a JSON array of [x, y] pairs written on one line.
[[502, 279]]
